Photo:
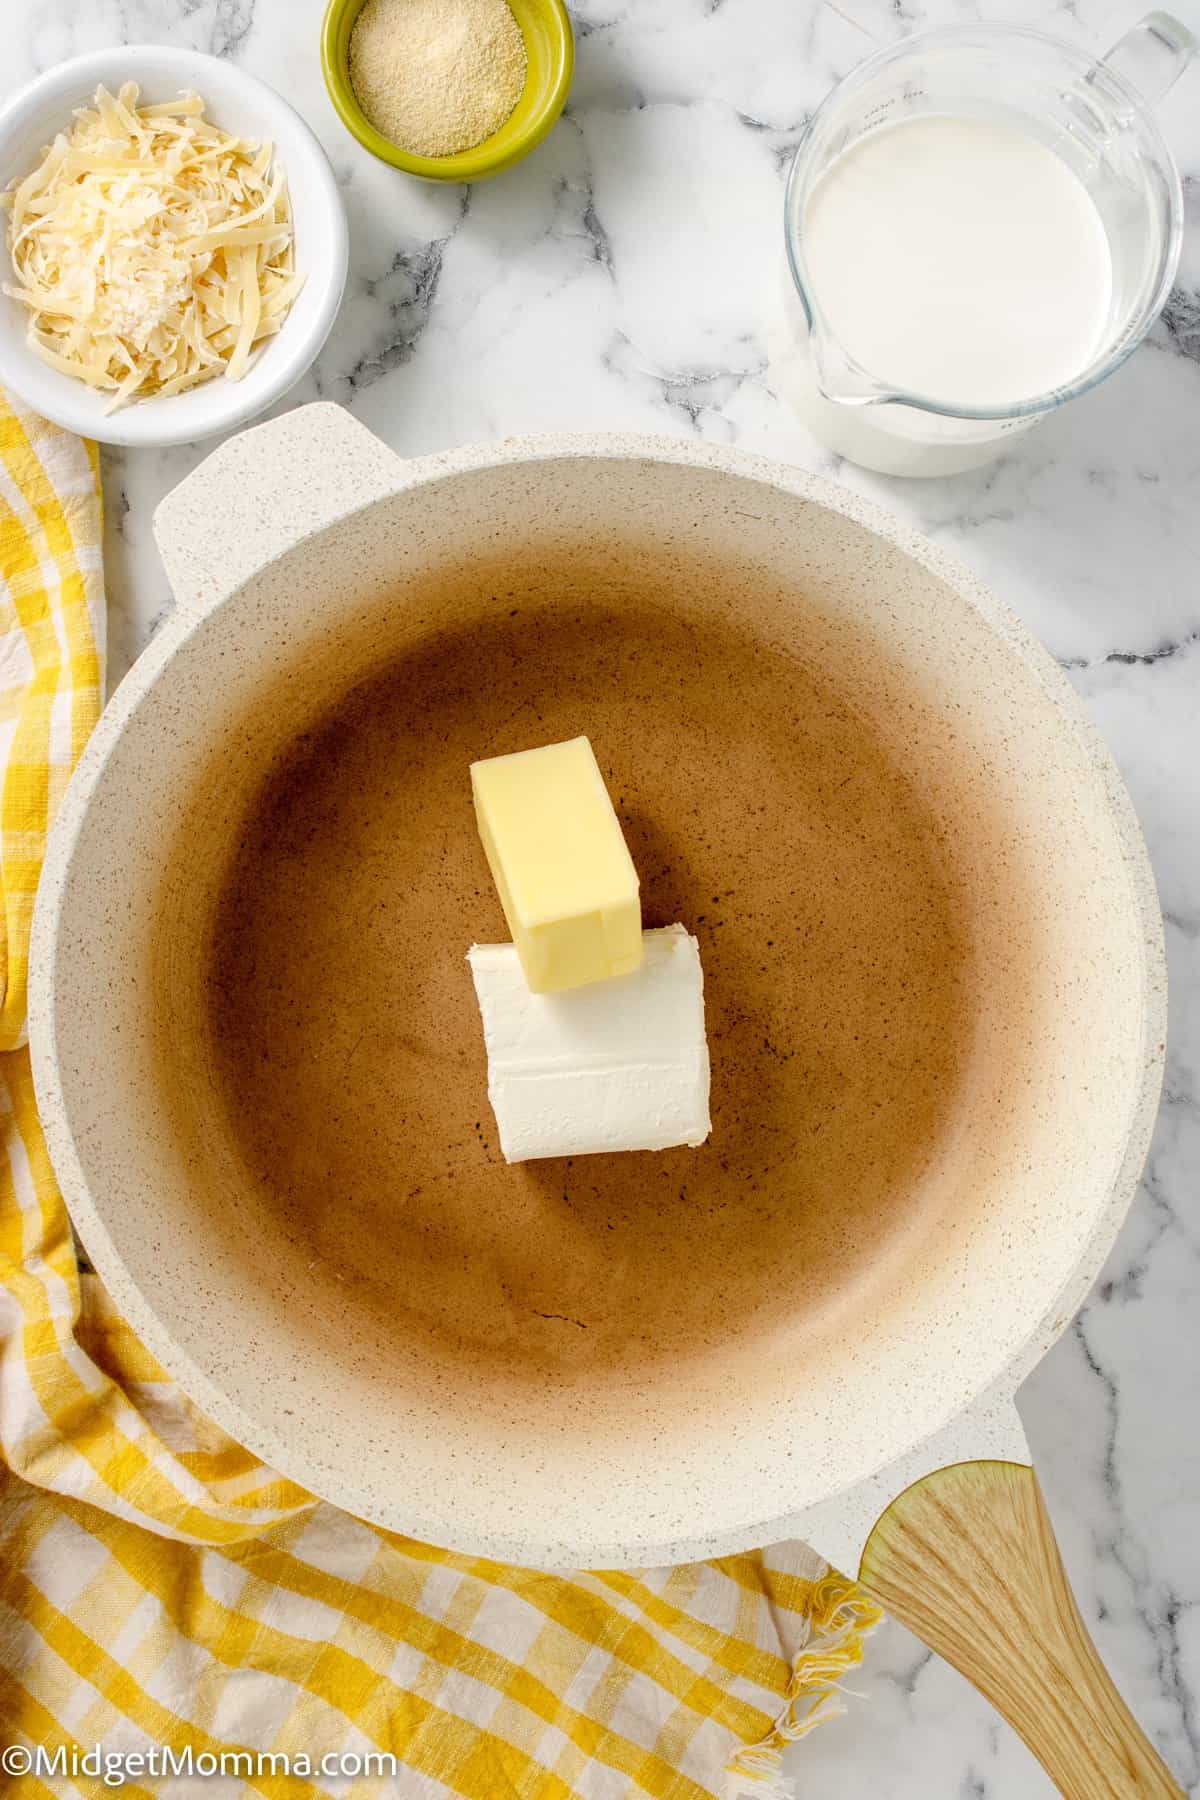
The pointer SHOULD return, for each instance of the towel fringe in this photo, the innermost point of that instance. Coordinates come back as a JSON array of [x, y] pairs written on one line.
[[840, 1620]]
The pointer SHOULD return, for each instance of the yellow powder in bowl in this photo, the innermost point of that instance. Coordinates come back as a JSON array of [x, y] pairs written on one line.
[[437, 76]]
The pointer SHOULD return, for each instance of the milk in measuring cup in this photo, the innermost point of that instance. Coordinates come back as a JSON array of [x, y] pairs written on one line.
[[954, 259], [959, 259]]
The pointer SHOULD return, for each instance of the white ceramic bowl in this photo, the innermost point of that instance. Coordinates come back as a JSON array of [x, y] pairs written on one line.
[[238, 102]]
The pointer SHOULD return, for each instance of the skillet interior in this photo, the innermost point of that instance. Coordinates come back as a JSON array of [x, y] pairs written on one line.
[[763, 810]]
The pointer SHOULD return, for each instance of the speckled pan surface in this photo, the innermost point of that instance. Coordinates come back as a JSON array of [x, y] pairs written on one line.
[[855, 1340]]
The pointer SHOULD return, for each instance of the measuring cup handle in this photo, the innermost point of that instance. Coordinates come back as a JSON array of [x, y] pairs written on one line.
[[1153, 55]]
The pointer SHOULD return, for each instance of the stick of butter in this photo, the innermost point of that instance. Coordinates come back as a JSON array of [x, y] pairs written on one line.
[[563, 871], [618, 1065]]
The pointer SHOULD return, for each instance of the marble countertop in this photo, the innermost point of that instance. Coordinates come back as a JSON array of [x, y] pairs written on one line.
[[623, 279]]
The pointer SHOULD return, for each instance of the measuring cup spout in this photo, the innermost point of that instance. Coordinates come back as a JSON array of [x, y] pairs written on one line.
[[839, 377]]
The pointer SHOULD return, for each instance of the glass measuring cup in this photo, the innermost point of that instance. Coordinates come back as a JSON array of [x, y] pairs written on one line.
[[1094, 115]]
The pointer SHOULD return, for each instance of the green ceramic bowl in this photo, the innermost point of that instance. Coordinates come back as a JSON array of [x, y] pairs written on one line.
[[550, 48]]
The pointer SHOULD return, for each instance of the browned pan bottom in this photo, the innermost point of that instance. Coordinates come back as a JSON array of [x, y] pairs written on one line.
[[761, 811]]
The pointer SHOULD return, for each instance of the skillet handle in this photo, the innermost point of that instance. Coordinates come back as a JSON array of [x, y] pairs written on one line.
[[967, 1559], [263, 492]]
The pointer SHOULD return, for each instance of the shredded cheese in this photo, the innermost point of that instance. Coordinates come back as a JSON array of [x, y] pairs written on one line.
[[152, 249]]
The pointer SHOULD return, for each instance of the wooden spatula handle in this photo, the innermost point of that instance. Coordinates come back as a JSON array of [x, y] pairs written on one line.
[[967, 1559]]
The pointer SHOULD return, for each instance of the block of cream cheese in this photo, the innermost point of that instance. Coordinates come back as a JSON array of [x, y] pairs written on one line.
[[560, 863], [617, 1065]]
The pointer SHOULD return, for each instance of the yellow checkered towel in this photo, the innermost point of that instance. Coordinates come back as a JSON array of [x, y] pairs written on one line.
[[168, 1606]]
